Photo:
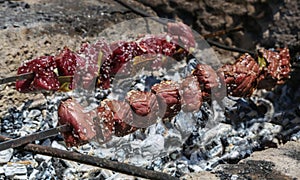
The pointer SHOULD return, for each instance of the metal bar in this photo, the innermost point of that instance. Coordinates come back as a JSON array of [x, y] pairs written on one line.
[[222, 32], [95, 161], [16, 78], [13, 143], [222, 46]]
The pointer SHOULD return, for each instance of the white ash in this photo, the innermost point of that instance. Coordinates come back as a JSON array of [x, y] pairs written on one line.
[[6, 155]]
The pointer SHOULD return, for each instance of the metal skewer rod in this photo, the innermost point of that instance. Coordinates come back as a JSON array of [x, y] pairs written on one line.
[[13, 143], [16, 78]]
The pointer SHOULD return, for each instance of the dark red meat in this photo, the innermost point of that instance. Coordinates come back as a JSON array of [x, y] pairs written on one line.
[[93, 55], [113, 118], [241, 77], [182, 35], [44, 76], [67, 62], [277, 70]]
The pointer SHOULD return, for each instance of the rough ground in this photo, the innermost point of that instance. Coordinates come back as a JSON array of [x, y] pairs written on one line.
[[30, 28]]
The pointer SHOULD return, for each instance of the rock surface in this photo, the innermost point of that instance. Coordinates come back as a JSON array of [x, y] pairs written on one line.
[[279, 163]]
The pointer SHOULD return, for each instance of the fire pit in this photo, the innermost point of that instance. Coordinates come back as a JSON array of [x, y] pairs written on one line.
[[223, 131]]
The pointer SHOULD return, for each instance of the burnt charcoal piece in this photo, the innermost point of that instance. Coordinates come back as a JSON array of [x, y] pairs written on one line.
[[44, 76], [83, 129], [144, 107], [191, 94], [277, 68], [182, 35], [241, 77], [112, 118], [168, 98], [210, 82]]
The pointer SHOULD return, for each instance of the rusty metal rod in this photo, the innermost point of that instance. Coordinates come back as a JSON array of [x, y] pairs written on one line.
[[94, 161], [13, 143], [16, 78]]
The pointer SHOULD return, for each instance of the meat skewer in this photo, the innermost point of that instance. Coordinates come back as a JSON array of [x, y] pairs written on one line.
[[166, 99], [102, 60]]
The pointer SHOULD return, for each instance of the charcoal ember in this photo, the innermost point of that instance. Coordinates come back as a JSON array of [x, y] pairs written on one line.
[[144, 105], [44, 76], [168, 98], [114, 118], [210, 82], [82, 124], [191, 94], [277, 68], [241, 77], [96, 58], [182, 35]]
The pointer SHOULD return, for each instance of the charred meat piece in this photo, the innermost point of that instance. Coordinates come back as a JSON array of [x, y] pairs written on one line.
[[81, 123], [144, 107], [168, 98], [241, 77], [276, 69], [112, 118], [122, 117], [210, 82], [191, 94], [44, 76]]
